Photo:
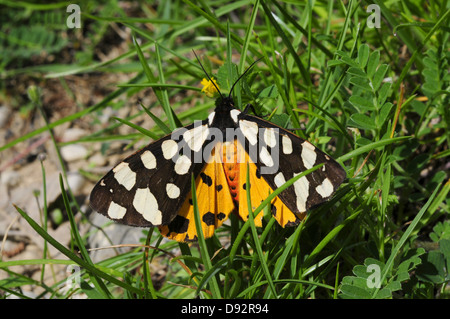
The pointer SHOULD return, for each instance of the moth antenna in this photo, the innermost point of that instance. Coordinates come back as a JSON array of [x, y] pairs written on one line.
[[207, 75], [232, 88]]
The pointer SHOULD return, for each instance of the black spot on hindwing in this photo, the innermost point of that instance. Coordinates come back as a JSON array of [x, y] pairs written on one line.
[[209, 219], [178, 225], [206, 179]]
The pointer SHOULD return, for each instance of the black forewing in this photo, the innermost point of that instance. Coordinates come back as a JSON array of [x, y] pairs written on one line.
[[290, 164], [109, 190]]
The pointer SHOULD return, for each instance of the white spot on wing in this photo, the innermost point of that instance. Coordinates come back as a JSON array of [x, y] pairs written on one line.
[[287, 145], [211, 118], [145, 203], [148, 159], [279, 179], [182, 165], [270, 137], [308, 154], [234, 115], [250, 130], [169, 148], [265, 157], [116, 211], [124, 175], [196, 137], [172, 190], [325, 189], [301, 187]]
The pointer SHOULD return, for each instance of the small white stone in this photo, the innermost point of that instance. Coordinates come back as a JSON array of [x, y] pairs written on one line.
[[4, 114], [98, 160], [75, 181], [10, 178], [73, 152], [73, 134]]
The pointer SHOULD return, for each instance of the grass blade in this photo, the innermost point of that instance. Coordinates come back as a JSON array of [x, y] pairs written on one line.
[[256, 241], [72, 256], [214, 286]]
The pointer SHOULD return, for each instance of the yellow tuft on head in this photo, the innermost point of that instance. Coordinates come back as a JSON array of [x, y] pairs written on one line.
[[208, 87]]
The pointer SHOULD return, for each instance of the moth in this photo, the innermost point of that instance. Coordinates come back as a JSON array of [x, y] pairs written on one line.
[[152, 187]]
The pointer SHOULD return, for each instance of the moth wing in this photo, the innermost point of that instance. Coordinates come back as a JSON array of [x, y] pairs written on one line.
[[283, 155], [148, 187], [214, 201]]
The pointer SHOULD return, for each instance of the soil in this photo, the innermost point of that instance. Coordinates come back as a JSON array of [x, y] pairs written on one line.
[[22, 166]]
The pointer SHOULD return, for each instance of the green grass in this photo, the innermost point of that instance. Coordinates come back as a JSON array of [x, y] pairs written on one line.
[[374, 99]]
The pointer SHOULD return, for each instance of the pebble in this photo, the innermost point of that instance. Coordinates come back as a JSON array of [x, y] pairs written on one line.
[[10, 178], [98, 159], [73, 134], [4, 114], [75, 181], [73, 152]]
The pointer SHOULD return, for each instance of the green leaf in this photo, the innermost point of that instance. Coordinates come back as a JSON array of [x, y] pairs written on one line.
[[357, 72], [282, 120], [90, 291], [362, 103], [362, 121], [372, 64], [444, 246], [379, 76], [269, 92], [363, 55], [346, 59], [349, 291], [441, 231], [383, 93], [432, 269], [362, 83], [332, 63], [223, 75], [384, 113]]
